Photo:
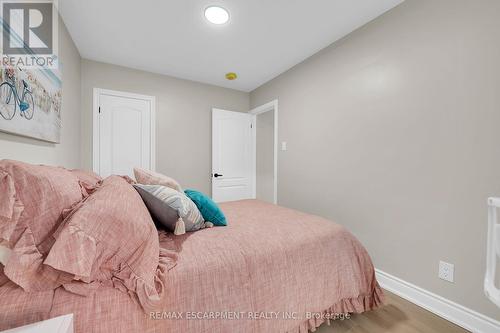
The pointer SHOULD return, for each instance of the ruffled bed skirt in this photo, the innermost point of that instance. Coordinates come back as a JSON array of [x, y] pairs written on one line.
[[349, 305]]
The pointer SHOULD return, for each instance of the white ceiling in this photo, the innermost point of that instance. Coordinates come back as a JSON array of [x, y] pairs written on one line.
[[263, 38]]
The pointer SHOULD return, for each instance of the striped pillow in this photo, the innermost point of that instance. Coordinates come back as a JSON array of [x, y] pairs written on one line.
[[171, 208]]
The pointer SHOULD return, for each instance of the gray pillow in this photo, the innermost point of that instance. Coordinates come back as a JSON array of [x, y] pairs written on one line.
[[171, 208]]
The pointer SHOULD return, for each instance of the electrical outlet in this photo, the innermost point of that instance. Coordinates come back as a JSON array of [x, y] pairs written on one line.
[[446, 271]]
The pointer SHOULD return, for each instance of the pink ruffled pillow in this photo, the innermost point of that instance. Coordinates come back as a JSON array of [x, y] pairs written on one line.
[[34, 200], [10, 207], [110, 239], [148, 177], [87, 177]]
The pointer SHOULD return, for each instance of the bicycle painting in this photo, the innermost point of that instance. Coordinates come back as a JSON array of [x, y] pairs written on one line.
[[30, 103], [10, 99]]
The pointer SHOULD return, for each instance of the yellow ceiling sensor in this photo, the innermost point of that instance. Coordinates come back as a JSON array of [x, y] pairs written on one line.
[[231, 76]]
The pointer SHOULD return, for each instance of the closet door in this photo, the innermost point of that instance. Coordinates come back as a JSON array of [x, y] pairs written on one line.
[[125, 133]]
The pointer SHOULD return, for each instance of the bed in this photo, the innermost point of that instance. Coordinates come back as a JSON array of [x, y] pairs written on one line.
[[272, 269]]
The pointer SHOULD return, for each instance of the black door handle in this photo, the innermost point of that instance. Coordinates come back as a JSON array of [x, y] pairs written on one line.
[[217, 175]]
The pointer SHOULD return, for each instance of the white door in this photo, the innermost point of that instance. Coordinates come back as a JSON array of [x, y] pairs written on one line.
[[233, 155], [123, 132]]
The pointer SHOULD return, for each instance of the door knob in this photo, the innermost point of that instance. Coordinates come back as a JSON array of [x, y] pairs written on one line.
[[217, 175]]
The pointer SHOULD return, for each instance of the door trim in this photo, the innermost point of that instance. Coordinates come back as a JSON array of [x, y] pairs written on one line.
[[271, 106], [97, 92]]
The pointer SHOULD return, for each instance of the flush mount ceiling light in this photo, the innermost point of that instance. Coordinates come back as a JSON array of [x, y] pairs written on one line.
[[216, 15]]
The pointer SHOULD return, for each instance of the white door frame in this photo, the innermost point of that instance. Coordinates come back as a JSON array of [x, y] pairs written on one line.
[[271, 106], [95, 123]]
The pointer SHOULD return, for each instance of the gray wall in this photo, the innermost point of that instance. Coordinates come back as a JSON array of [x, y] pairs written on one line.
[[394, 132], [67, 153], [265, 156], [183, 118]]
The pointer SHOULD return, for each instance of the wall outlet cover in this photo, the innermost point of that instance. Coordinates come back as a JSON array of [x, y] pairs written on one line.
[[446, 271]]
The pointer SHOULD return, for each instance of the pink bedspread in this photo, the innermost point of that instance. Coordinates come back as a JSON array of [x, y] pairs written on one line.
[[271, 270]]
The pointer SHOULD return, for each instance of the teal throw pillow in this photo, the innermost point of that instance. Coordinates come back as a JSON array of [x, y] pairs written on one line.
[[208, 209]]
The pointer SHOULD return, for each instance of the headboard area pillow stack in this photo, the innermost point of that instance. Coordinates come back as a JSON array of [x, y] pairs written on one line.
[[70, 228], [34, 200]]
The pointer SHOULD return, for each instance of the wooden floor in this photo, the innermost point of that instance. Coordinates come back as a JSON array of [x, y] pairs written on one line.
[[397, 316]]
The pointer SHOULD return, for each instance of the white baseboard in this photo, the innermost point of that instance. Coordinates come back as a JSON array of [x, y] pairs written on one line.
[[451, 311]]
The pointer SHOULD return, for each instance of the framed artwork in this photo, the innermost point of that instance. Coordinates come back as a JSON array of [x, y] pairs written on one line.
[[30, 102]]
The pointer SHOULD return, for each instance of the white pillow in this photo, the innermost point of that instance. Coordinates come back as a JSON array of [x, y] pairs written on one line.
[[4, 254]]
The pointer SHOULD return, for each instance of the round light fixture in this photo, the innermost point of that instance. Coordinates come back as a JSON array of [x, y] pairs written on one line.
[[216, 15], [231, 76]]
